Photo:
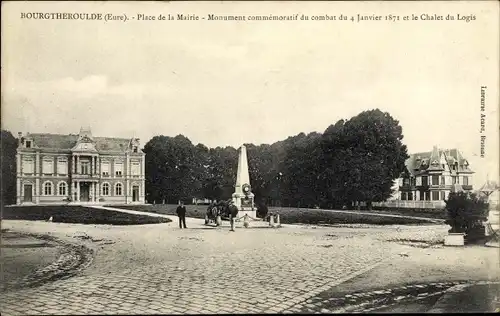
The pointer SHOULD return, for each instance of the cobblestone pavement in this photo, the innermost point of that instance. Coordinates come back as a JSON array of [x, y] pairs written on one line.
[[67, 260], [160, 268], [382, 299], [21, 255]]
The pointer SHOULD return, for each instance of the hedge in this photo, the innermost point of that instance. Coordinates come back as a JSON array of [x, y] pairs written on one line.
[[77, 214]]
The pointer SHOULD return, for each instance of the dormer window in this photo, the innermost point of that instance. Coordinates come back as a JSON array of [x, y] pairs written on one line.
[[28, 144], [134, 149]]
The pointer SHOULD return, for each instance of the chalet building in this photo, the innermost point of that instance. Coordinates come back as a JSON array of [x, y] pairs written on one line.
[[431, 176], [57, 169]]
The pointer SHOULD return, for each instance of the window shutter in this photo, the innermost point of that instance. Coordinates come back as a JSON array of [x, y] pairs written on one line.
[[62, 166], [119, 168], [48, 166], [28, 166], [105, 168]]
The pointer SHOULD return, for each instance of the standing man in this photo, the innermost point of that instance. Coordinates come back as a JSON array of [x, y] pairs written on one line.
[[181, 212]]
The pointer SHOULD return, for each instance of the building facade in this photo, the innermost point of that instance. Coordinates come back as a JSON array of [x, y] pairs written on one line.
[[431, 176], [61, 169]]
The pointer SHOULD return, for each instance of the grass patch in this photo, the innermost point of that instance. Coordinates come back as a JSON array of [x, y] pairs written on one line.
[[193, 211], [290, 215], [428, 213], [318, 217], [77, 215]]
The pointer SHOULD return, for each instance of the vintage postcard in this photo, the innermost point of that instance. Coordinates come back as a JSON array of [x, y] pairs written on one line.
[[249, 157]]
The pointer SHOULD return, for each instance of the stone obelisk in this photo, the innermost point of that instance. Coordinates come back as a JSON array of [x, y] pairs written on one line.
[[243, 197]]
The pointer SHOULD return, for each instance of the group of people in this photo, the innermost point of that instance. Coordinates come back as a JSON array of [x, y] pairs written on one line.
[[221, 203], [181, 210]]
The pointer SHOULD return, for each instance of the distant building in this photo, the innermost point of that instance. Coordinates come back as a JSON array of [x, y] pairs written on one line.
[[428, 179], [57, 169], [197, 201], [431, 176], [395, 191]]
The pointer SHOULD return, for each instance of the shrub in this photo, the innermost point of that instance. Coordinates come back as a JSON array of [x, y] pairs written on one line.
[[466, 212]]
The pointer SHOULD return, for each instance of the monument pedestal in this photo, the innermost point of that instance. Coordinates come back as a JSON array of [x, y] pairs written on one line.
[[245, 205]]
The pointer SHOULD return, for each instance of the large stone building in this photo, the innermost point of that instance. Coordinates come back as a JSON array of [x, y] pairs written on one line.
[[60, 169], [431, 176]]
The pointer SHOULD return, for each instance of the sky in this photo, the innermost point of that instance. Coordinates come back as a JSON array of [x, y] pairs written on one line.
[[231, 82]]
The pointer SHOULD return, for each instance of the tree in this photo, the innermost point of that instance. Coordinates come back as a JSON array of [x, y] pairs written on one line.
[[373, 148], [171, 168], [8, 161], [260, 165], [334, 166], [221, 170], [465, 212], [352, 161], [301, 183], [201, 165], [213, 177]]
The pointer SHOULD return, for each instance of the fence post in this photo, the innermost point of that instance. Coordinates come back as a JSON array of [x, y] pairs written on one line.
[[246, 223], [271, 220], [278, 224], [231, 220]]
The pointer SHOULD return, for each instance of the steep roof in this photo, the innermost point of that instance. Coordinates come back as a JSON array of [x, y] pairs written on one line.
[[67, 142], [434, 160], [489, 186], [422, 162]]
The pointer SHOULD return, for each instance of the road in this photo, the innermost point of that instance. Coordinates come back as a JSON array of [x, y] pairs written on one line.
[[160, 268]]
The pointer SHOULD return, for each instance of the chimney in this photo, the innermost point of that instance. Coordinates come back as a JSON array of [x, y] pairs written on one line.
[[19, 138]]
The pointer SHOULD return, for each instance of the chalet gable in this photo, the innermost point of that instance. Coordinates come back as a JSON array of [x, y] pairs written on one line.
[[444, 162]]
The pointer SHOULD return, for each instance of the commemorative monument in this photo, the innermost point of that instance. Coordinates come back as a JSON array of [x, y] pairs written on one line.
[[243, 197]]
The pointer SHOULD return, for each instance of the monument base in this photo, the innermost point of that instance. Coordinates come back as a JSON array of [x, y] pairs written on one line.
[[252, 214]]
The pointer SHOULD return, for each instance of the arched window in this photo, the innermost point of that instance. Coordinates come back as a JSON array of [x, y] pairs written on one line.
[[105, 189], [118, 189], [62, 188], [47, 188]]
